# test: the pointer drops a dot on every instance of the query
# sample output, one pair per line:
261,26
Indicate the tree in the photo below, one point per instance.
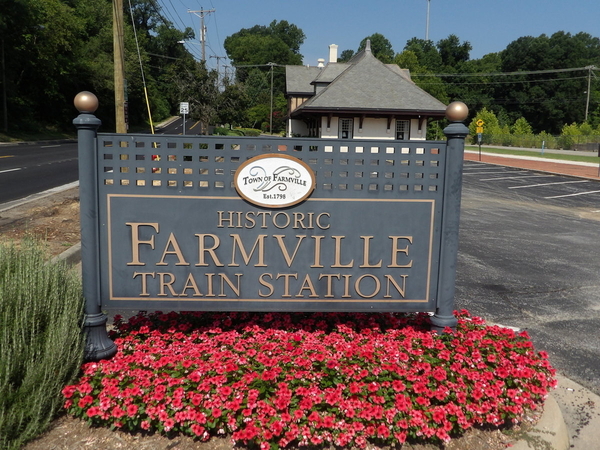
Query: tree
381,47
550,99
428,55
345,56
452,53
278,43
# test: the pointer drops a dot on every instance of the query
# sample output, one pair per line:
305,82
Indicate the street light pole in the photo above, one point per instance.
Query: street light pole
427,25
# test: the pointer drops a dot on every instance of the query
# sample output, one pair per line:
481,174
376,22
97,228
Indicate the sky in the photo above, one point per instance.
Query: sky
488,25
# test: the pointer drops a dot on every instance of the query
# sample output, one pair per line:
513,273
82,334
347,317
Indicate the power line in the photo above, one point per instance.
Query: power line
505,74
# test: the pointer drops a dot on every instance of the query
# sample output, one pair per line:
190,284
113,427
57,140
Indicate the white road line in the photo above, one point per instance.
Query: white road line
49,146
10,170
548,184
520,177
572,195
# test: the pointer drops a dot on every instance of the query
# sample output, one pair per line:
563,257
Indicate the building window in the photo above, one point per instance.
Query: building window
346,128
402,130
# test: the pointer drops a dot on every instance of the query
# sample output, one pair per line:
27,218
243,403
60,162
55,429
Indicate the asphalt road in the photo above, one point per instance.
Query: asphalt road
29,169
529,258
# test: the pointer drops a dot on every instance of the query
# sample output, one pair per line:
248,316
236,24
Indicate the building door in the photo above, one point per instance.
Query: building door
402,130
346,128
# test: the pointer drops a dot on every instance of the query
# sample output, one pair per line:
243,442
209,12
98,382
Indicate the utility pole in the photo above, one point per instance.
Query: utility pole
218,58
119,63
589,87
202,13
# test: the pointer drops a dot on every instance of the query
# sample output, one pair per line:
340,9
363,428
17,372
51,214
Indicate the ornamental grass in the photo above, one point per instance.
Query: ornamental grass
279,380
41,346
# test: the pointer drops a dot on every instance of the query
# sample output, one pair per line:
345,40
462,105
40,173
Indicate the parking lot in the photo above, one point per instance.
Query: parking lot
528,258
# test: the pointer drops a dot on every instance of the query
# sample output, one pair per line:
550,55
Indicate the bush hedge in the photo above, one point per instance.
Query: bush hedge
41,344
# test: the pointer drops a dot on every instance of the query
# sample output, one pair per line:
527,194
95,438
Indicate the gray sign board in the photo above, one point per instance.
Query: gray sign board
175,234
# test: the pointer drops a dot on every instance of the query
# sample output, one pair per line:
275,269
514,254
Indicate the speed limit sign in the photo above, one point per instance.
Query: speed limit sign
184,108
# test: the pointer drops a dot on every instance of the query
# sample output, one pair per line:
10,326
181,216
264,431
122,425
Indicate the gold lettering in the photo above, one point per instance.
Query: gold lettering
338,253
329,277
250,222
225,279
307,284
190,283
289,260
211,251
166,284
263,282
209,283
299,220
286,282
136,242
323,227
172,241
346,286
144,281
396,250
222,220
264,215
260,243
366,249
317,262
239,219
401,290
287,222
377,285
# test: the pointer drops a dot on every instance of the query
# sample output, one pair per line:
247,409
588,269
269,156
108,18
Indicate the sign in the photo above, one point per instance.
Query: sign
479,130
479,123
226,254
184,108
275,181
258,224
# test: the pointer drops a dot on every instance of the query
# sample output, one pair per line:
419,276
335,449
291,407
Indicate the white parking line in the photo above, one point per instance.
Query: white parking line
548,184
521,177
488,173
572,195
10,170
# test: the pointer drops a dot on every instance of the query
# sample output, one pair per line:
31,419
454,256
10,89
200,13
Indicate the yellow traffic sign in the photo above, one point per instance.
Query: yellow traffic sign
479,123
479,129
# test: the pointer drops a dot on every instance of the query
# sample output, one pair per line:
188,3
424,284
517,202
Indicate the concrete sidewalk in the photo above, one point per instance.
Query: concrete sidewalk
555,166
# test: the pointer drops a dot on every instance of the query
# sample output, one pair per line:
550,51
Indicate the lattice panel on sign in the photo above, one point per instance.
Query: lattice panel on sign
203,164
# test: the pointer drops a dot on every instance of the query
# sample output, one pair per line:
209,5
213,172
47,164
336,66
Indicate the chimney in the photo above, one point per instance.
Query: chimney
333,53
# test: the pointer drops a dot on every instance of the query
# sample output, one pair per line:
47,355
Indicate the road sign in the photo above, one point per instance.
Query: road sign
184,108
479,123
479,130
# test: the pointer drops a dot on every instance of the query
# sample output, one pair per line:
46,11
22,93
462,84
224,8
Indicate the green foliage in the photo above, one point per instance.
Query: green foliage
381,47
41,344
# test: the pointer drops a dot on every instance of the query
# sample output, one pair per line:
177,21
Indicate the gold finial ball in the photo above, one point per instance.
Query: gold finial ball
86,102
457,112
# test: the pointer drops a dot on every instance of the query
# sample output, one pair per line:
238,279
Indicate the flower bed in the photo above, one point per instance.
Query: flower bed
310,379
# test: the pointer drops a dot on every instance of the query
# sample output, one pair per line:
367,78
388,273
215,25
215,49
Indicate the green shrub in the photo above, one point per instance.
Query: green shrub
41,344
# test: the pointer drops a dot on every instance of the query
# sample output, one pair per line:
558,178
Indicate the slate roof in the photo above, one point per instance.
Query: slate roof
363,85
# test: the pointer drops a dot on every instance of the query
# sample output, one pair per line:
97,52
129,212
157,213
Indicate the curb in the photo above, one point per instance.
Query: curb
550,432
71,256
